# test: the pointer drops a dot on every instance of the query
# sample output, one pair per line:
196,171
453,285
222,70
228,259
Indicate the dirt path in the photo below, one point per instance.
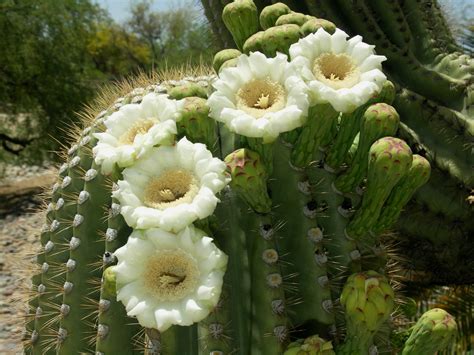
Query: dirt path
19,226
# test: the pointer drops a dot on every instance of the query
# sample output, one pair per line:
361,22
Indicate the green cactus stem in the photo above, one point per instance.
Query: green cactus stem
241,19
434,331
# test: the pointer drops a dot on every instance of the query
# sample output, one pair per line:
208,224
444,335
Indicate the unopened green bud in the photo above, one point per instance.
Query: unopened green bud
292,18
223,56
254,43
379,120
417,175
314,24
434,331
195,122
389,160
241,19
249,179
368,300
270,14
187,90
109,287
272,40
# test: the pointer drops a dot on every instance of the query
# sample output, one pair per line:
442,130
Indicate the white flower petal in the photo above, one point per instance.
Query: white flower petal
136,190
134,129
259,122
344,95
160,308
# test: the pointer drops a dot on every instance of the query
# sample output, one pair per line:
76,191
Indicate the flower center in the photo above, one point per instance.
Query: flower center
171,188
336,70
139,127
260,96
171,275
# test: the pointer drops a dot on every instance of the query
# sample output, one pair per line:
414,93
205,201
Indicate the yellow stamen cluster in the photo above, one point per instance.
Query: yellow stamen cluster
336,70
139,127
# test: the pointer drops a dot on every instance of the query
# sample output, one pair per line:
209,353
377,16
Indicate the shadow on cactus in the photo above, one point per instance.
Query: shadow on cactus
263,240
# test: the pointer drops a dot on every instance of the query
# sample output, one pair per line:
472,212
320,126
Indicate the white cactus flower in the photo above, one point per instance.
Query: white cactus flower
165,279
134,129
171,187
344,73
260,97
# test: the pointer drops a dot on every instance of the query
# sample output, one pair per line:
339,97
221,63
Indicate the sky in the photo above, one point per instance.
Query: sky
118,9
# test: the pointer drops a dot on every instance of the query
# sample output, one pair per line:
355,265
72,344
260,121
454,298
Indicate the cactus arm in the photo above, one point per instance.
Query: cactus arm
448,135
418,78
318,132
290,204
394,23
379,120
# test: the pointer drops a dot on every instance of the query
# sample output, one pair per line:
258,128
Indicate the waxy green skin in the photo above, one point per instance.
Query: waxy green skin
291,238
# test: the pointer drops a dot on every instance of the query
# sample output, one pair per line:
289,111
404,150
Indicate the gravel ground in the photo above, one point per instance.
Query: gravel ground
18,241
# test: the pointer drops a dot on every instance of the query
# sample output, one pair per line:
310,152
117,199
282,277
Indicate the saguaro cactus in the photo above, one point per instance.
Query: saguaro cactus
434,97
140,256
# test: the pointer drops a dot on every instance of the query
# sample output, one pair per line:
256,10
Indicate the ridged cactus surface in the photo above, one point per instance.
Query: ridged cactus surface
233,214
434,97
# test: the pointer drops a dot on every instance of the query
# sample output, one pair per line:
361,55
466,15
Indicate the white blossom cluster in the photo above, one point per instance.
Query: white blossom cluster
169,272
262,97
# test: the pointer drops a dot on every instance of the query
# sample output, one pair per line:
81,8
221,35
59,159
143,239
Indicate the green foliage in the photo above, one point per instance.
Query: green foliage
55,54
44,70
